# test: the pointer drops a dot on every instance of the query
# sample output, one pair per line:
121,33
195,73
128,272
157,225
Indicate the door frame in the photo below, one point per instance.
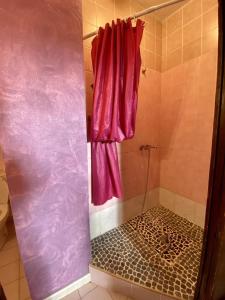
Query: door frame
211,278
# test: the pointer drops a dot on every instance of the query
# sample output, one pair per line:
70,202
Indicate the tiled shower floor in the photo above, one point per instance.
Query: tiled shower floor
158,250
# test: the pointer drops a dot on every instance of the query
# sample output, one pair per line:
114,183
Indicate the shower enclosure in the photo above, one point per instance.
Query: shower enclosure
153,236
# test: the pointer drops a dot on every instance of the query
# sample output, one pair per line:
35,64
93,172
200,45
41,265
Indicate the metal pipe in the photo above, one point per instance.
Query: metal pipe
139,14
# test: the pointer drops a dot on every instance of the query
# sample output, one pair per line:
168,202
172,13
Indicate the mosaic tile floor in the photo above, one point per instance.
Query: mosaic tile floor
158,250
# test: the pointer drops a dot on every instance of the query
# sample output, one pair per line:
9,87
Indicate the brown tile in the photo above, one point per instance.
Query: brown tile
174,22
9,273
174,41
208,4
210,40
8,256
174,59
192,31
12,290
192,50
24,289
210,20
191,11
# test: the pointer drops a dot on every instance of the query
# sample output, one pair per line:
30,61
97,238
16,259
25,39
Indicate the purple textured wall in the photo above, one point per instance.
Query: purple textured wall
43,136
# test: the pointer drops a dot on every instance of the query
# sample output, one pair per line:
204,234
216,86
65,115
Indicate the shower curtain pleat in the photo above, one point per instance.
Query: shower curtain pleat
116,64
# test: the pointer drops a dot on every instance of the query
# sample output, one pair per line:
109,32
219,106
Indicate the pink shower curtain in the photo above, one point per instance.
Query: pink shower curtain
116,63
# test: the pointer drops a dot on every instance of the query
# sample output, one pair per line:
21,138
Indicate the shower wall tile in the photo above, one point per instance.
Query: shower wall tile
197,24
174,22
208,4
192,31
182,206
192,10
187,111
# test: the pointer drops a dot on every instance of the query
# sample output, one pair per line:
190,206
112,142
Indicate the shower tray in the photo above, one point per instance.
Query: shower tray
158,250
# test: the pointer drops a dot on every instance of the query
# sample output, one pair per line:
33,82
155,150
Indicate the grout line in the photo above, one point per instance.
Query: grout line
87,292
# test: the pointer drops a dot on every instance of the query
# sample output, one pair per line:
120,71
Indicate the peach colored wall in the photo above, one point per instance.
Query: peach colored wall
133,163
176,96
188,98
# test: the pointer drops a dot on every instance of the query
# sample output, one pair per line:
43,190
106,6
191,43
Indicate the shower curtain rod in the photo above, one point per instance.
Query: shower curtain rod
139,14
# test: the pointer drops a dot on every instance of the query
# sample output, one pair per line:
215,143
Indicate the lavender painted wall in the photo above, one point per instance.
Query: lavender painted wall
43,136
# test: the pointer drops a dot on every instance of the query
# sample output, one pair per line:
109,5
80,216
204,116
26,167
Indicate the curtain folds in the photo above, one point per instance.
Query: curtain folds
116,64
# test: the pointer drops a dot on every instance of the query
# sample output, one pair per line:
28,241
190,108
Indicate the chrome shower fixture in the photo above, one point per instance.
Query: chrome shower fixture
148,147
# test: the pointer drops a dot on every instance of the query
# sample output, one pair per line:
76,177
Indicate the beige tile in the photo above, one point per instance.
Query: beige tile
164,64
24,289
110,282
116,296
164,46
109,4
150,42
103,16
144,294
192,50
158,44
174,22
210,20
174,59
12,290
87,59
164,23
87,288
192,31
210,40
136,7
150,60
8,256
208,4
98,293
191,11
174,41
88,28
73,296
158,28
122,8
89,12
150,24
158,63
9,273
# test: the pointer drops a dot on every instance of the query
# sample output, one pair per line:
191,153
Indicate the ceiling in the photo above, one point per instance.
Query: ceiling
163,12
